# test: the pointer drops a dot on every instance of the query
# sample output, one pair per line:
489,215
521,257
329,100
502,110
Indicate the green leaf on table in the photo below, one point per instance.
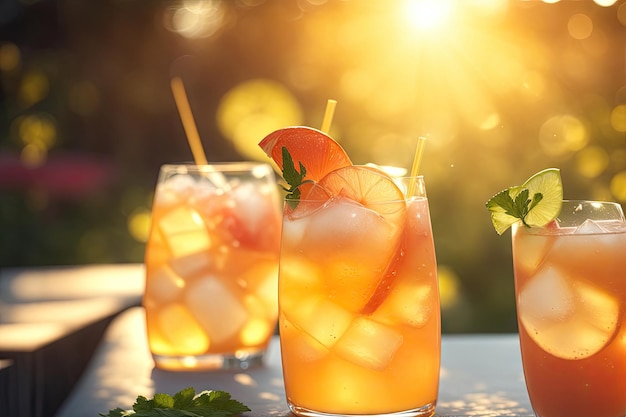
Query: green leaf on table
185,403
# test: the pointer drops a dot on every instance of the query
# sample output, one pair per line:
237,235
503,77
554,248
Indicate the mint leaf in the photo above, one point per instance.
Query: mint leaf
185,403
536,199
521,204
503,200
518,207
293,177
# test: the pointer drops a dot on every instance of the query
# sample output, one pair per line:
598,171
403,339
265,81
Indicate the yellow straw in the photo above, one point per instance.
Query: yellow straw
417,161
189,124
328,115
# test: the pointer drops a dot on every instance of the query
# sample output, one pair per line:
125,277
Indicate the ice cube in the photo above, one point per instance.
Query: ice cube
591,245
184,231
346,224
299,280
184,244
163,285
530,250
182,331
600,308
293,232
580,320
301,344
369,344
174,190
251,207
192,264
216,308
409,302
182,219
260,324
589,227
322,319
255,332
354,245
547,296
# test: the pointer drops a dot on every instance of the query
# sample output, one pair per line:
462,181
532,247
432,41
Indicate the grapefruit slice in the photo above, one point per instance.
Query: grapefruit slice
312,148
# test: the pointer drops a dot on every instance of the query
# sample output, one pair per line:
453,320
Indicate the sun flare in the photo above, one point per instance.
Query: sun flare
427,15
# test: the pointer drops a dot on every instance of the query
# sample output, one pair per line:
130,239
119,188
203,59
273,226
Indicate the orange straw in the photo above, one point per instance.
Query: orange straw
417,161
189,124
328,115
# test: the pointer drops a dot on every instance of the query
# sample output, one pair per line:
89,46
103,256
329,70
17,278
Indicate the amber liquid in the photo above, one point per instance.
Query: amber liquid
574,345
359,312
211,274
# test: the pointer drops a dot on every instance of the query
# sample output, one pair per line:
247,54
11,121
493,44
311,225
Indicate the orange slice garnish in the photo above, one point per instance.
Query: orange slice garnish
370,187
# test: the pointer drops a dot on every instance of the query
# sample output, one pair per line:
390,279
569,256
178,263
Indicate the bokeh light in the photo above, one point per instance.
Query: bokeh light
449,287
9,57
618,118
563,134
592,161
34,88
251,110
195,19
37,134
580,26
618,186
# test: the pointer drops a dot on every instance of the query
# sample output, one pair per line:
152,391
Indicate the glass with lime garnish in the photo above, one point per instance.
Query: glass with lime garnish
570,287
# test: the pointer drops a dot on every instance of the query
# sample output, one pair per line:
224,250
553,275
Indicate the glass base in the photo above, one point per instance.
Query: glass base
237,361
426,411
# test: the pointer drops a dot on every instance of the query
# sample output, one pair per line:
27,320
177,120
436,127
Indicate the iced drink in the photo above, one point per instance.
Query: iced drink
359,307
212,266
570,280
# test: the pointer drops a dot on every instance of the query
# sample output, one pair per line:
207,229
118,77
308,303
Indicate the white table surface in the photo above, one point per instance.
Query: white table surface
481,375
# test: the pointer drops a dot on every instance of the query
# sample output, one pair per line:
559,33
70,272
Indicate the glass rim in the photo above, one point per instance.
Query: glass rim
232,166
403,179
571,215
592,202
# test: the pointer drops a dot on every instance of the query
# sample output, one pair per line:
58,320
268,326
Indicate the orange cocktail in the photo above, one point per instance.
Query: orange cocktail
570,280
358,294
359,309
212,265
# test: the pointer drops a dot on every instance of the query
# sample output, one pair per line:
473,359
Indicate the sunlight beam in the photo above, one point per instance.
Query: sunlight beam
427,15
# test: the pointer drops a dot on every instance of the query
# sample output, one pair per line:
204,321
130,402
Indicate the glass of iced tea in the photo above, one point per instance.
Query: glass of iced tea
570,284
212,265
359,302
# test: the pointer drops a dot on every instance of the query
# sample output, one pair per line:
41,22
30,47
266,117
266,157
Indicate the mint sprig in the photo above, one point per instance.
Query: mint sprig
518,207
293,178
185,403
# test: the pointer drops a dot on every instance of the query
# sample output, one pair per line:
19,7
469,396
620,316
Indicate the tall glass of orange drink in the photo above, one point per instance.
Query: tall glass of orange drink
212,266
359,313
570,284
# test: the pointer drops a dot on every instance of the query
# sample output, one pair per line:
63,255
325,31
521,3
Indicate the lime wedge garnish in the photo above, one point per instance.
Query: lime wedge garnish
535,203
